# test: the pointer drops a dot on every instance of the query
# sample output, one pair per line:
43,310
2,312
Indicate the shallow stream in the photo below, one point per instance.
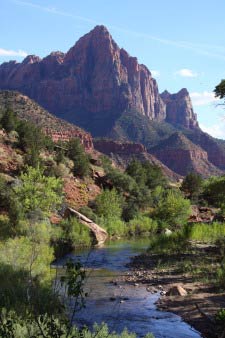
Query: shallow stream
123,305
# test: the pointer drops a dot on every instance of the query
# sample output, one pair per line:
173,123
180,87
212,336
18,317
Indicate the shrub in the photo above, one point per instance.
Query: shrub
173,209
142,225
114,226
75,233
192,186
80,159
109,204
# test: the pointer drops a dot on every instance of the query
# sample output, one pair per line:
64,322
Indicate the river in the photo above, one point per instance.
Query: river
118,304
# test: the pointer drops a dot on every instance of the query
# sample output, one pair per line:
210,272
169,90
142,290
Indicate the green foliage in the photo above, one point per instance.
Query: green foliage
80,159
8,121
173,209
121,181
220,316
213,191
113,225
38,192
136,170
45,326
207,232
88,212
74,233
31,252
142,226
220,90
177,242
146,174
192,186
109,204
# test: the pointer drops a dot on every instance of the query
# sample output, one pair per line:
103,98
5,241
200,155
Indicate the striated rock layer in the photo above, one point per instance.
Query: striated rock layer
183,156
57,129
123,152
94,81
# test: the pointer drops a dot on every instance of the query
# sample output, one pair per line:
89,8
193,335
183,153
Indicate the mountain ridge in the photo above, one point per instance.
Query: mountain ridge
102,89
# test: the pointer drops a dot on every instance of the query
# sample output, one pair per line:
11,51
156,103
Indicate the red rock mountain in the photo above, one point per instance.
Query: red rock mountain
122,153
183,156
179,110
95,80
101,88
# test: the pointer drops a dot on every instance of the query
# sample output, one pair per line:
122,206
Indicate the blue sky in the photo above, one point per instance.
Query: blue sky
182,43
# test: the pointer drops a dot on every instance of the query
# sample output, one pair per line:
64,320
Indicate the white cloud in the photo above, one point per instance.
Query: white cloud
9,52
185,72
155,73
216,130
203,98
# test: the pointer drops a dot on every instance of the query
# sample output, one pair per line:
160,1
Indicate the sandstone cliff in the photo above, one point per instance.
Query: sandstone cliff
94,81
123,152
183,156
179,110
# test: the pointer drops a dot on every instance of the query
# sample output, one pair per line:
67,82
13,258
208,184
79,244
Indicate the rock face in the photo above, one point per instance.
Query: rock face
179,110
182,156
95,78
108,146
123,152
29,110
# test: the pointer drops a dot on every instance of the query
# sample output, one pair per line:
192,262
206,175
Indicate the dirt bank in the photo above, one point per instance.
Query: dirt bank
203,299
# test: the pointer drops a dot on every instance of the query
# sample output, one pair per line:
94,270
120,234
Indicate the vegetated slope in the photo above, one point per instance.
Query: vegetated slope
29,110
183,156
123,152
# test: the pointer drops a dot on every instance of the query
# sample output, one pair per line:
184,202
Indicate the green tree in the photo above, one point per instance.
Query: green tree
38,192
109,204
8,120
154,176
192,186
173,209
80,159
220,90
213,191
136,170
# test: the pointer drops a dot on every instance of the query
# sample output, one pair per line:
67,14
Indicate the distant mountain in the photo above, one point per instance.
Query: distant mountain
91,85
101,88
182,156
123,152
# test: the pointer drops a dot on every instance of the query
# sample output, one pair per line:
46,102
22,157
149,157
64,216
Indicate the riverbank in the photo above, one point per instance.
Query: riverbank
163,273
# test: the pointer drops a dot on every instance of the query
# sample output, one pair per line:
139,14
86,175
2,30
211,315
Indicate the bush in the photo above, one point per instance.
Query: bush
192,186
75,233
109,204
173,209
80,159
114,226
213,191
8,121
142,226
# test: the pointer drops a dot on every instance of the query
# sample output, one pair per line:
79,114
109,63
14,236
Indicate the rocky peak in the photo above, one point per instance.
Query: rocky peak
179,109
30,59
96,81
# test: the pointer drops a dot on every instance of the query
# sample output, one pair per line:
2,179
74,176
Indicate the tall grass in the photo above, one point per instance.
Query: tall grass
207,232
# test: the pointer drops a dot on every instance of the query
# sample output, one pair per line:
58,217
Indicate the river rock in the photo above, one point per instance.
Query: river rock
176,290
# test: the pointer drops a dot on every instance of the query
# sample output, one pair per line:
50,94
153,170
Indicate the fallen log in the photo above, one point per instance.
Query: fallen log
99,233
